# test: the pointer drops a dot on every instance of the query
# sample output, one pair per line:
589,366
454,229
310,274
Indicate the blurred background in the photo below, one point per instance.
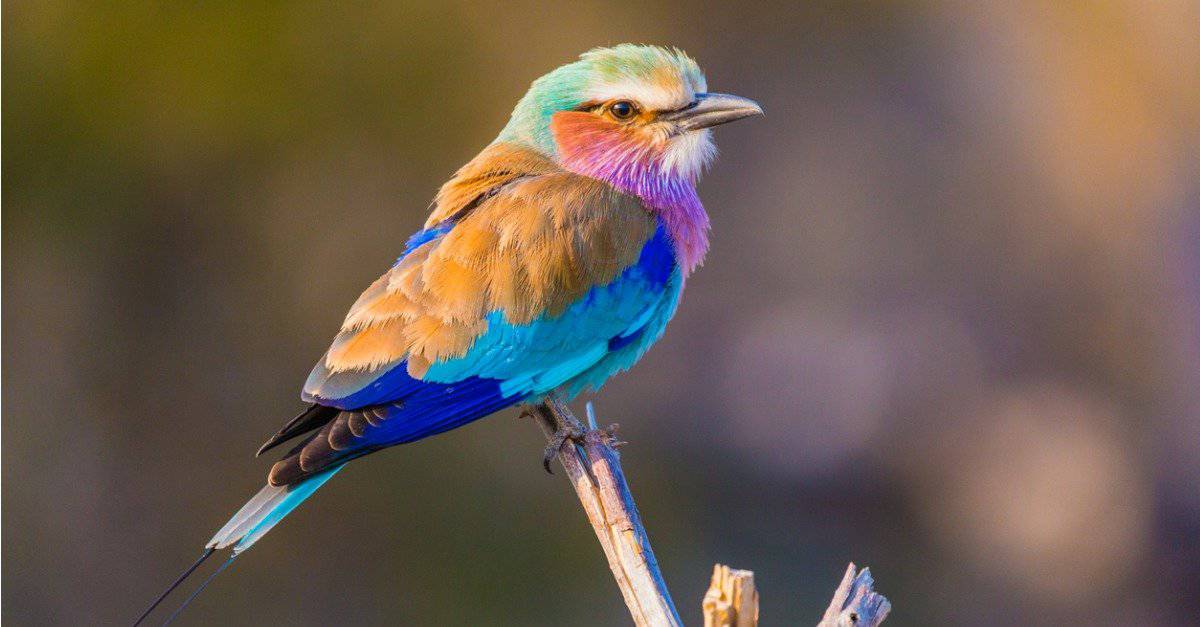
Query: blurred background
949,327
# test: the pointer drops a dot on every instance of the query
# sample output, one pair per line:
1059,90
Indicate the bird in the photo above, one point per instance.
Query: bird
549,262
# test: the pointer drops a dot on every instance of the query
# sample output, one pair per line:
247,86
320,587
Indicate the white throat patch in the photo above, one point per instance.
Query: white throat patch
687,155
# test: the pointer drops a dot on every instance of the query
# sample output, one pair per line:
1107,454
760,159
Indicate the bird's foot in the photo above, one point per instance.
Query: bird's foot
567,427
610,436
557,441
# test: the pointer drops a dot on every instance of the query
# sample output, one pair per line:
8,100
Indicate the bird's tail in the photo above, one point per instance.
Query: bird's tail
246,527
264,511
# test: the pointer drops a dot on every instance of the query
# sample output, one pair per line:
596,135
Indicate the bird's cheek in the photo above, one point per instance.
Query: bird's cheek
585,140
574,131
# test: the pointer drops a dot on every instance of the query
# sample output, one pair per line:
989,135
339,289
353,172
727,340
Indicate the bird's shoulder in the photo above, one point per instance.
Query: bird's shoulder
506,178
513,236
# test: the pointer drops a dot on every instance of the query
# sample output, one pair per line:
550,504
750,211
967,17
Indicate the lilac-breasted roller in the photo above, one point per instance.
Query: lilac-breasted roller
550,261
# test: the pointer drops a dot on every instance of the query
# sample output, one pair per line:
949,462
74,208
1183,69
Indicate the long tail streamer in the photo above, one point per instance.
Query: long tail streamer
187,573
196,593
258,516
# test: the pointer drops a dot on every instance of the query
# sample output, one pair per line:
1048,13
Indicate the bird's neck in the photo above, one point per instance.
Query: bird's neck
640,169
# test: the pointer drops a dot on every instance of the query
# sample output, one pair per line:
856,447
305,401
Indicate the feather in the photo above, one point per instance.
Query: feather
178,580
529,250
264,510
313,417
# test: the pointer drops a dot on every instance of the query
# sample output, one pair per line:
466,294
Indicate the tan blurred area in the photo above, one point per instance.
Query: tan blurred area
949,327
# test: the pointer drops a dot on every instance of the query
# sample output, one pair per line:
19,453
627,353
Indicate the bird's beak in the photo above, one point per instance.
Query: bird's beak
710,110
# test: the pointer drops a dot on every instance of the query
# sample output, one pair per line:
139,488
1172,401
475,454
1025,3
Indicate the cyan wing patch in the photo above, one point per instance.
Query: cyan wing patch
624,350
604,332
535,358
531,358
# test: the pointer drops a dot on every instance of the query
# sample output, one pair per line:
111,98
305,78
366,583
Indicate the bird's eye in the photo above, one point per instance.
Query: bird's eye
623,109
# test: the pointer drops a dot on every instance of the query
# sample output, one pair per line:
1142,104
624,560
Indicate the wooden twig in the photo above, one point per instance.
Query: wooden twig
855,602
591,462
731,600
594,468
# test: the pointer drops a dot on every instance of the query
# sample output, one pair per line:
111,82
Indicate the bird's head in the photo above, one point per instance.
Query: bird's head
634,116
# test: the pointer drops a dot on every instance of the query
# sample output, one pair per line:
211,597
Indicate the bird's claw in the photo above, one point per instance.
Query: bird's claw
561,436
610,436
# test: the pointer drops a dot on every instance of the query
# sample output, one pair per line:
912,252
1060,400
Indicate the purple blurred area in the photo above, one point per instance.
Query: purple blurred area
949,327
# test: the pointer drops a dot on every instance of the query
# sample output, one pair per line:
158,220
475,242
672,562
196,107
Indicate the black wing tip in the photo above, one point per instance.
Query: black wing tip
275,440
313,417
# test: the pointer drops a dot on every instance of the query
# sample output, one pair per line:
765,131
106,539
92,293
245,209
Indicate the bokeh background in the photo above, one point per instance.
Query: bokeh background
949,327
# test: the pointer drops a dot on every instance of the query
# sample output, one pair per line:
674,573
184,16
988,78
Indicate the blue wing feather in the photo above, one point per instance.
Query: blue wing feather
534,358
604,332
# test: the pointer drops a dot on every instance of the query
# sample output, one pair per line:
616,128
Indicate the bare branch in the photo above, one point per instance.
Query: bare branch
590,460
594,468
731,600
855,602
